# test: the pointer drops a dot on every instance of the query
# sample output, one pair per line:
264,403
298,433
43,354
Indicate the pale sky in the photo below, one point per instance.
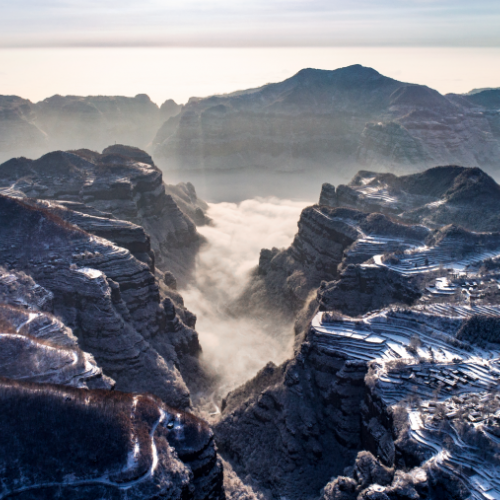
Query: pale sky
250,23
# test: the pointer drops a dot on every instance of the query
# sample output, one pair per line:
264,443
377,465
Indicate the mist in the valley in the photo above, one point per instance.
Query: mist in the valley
236,348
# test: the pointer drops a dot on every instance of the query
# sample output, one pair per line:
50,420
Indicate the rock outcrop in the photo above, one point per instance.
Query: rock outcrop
361,289
395,369
109,299
83,306
328,239
109,444
288,430
122,183
38,347
377,214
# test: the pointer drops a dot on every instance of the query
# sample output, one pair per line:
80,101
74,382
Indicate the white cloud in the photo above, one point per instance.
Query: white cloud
236,348
224,22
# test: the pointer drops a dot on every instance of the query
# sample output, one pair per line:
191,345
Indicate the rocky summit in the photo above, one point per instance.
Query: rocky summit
319,119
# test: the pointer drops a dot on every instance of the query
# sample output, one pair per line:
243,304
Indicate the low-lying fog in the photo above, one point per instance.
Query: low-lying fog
247,183
235,349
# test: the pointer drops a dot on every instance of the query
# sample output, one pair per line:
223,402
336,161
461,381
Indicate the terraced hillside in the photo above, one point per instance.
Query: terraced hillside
397,364
86,314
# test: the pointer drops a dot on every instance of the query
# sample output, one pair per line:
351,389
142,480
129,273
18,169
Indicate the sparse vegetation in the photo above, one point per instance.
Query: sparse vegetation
480,329
49,428
331,317
400,419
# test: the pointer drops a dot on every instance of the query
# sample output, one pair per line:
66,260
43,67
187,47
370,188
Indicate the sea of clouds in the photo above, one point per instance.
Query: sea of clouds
236,348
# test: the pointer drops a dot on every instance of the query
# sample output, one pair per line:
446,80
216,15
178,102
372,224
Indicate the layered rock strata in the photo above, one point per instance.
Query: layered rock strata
37,347
109,299
124,184
435,197
328,239
396,361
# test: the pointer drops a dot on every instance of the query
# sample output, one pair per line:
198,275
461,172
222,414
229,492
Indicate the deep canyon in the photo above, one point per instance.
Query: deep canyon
203,340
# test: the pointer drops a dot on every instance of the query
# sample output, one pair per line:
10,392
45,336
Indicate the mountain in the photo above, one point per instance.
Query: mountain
331,120
122,182
392,390
374,213
18,131
76,122
84,315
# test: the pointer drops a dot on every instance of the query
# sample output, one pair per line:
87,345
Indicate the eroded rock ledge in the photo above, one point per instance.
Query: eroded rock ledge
393,386
122,183
83,306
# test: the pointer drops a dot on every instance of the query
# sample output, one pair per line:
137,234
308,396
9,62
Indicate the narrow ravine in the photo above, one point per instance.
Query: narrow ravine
235,348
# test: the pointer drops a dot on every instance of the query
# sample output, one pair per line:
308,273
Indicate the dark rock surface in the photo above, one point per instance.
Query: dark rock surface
184,195
109,299
362,289
286,430
396,354
82,305
108,445
122,183
376,214
328,195
328,239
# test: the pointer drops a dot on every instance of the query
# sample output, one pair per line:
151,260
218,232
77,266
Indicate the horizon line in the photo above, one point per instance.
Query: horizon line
153,45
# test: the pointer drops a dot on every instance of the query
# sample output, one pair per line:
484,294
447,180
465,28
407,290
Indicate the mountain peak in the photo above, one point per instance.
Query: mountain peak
355,71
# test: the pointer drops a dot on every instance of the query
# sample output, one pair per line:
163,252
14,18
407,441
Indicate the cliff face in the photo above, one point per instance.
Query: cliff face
290,429
108,297
121,183
362,289
82,312
328,239
392,386
36,346
349,116
74,122
94,122
376,214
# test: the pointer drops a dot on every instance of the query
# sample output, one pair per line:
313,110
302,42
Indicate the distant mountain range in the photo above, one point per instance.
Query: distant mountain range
315,120
73,122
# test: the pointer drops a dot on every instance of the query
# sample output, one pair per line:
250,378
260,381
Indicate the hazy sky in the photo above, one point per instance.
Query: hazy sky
35,23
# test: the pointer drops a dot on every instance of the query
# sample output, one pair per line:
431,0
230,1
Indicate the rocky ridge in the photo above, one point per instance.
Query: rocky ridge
82,305
122,183
396,360
70,122
349,116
